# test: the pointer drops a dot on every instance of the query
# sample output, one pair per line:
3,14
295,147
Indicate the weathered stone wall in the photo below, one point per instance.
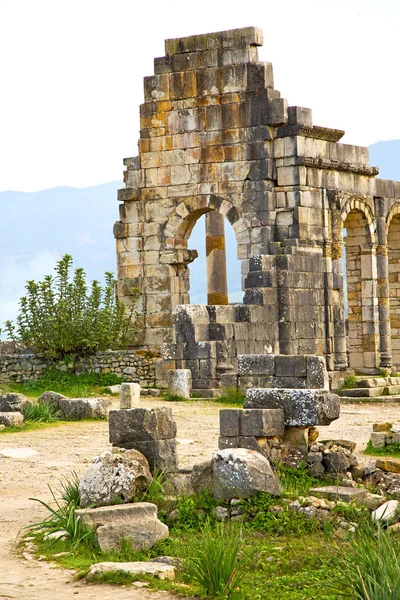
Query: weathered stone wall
217,136
131,366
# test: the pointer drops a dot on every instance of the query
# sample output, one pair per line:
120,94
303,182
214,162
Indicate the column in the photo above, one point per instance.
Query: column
385,340
217,282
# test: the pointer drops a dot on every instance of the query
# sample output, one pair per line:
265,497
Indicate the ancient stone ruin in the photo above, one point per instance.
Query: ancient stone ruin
218,139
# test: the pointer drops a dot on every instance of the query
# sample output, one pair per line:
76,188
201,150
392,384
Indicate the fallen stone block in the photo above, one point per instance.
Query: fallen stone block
113,389
240,473
302,408
51,398
11,419
129,395
250,442
392,466
135,522
154,569
180,382
379,427
386,513
340,492
114,477
337,462
202,477
13,402
75,409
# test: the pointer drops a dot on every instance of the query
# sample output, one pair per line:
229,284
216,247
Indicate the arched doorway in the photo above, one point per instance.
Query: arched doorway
362,303
393,243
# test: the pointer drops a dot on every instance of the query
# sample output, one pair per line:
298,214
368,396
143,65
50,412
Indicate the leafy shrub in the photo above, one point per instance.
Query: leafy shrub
212,559
60,316
370,568
41,412
194,510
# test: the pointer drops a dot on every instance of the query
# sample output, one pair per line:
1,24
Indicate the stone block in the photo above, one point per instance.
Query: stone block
289,366
11,419
302,408
296,437
180,382
378,439
261,422
229,420
256,364
141,425
13,402
338,492
75,409
317,375
379,427
135,522
139,568
161,454
129,395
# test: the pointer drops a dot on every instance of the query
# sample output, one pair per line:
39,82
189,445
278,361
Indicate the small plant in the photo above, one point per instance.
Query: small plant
349,383
63,518
174,398
234,396
385,391
43,412
212,559
384,372
370,568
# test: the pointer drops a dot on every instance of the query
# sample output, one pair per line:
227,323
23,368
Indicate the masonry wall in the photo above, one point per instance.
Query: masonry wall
133,367
217,136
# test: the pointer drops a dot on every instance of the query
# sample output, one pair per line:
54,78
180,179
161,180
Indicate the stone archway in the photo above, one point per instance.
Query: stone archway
360,267
177,233
393,247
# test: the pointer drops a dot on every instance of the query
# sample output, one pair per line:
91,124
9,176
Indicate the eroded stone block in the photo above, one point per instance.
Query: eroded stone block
180,382
129,395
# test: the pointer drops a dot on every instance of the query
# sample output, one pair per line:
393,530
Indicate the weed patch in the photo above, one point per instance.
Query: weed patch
389,450
232,396
72,385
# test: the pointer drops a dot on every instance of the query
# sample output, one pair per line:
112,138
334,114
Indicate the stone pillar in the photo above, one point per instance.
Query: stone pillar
385,340
370,326
217,282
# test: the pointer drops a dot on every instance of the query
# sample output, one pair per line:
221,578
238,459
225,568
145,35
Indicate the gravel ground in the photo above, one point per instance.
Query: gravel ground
55,452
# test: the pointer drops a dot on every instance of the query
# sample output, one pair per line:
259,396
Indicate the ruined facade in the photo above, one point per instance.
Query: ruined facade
217,137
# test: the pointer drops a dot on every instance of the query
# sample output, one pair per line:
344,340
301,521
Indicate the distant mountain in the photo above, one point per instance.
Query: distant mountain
36,229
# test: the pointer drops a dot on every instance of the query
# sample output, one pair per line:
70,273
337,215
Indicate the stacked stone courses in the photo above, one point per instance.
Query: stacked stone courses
217,137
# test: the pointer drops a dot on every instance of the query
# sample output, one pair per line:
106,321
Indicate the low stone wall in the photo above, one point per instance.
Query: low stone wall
138,367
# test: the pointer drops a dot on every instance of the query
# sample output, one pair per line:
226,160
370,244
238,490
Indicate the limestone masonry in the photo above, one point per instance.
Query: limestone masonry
216,137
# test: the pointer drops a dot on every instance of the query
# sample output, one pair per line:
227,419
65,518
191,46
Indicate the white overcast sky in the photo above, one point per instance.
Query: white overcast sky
71,74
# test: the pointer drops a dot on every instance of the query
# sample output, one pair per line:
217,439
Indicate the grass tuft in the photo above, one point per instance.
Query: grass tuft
370,568
389,450
232,396
212,559
41,412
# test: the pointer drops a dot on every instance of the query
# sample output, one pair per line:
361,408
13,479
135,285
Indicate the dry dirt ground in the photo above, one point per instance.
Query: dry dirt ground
60,450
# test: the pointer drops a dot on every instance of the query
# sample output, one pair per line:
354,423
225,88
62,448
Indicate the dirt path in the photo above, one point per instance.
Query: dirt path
60,450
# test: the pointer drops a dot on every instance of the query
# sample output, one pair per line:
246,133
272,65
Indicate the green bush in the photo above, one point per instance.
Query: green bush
349,383
212,559
370,568
61,316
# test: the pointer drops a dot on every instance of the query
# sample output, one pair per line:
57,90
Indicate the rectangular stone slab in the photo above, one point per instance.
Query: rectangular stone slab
302,408
141,424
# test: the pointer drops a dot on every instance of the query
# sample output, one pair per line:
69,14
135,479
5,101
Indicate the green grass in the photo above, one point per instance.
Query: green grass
389,450
175,398
232,396
32,426
370,568
71,385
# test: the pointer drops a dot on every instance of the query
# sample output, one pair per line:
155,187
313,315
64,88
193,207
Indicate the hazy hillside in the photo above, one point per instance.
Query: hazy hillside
36,229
